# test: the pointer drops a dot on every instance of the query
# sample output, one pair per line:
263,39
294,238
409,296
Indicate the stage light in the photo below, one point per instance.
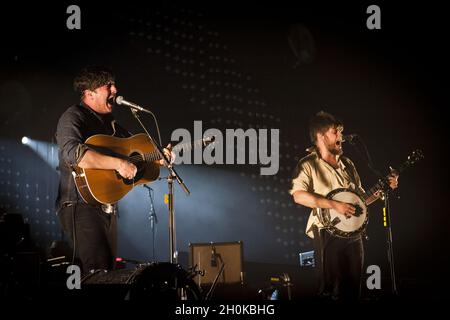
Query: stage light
45,150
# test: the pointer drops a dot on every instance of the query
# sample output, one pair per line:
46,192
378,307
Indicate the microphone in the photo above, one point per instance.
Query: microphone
119,100
152,221
213,257
349,137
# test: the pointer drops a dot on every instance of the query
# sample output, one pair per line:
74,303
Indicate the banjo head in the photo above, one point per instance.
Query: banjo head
337,224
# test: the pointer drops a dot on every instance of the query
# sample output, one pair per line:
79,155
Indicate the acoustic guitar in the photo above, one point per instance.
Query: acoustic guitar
101,186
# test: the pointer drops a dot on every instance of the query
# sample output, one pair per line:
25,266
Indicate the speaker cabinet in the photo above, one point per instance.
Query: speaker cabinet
210,257
155,281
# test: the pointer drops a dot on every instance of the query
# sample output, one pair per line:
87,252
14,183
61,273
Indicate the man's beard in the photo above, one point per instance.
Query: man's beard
334,149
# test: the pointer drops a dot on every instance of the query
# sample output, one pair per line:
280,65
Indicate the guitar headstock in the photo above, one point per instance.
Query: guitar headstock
208,140
412,159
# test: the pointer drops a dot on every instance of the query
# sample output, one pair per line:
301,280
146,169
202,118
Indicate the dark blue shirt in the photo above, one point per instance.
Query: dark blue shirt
75,126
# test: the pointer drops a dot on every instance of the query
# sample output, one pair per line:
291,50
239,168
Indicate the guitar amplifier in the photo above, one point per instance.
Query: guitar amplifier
211,257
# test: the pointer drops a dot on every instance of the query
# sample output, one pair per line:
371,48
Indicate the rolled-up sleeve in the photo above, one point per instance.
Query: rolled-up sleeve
70,139
303,179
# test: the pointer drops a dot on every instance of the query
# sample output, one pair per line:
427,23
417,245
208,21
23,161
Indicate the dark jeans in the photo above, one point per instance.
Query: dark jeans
94,235
339,262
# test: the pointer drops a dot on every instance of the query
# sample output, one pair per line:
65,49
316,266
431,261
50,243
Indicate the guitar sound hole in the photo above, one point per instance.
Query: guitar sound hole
138,161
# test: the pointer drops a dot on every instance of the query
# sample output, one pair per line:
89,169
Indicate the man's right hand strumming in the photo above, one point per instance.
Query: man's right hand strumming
126,169
312,200
343,208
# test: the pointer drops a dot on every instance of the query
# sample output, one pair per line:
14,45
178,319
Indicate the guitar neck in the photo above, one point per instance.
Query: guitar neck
370,196
187,146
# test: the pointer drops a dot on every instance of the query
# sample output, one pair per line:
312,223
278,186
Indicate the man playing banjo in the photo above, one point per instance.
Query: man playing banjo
338,256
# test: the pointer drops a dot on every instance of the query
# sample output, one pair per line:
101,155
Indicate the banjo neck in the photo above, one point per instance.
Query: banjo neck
353,226
383,184
373,193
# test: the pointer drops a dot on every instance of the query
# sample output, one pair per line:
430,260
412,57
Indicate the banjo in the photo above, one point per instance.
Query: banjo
347,227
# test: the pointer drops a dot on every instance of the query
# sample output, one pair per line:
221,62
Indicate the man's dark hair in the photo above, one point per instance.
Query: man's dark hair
321,122
92,77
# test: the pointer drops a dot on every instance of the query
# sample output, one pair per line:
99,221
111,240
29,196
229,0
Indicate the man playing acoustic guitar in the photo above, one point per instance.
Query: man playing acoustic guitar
339,259
92,228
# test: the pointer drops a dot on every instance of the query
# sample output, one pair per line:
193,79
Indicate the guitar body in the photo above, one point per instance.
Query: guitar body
336,223
98,186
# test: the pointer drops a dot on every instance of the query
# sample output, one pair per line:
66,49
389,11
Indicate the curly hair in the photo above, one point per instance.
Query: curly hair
321,122
92,77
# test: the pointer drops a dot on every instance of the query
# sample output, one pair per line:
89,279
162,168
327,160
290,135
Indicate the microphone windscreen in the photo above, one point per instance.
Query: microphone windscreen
118,100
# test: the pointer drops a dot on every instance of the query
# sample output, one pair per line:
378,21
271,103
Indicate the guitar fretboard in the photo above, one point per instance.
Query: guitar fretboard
187,146
370,194
382,183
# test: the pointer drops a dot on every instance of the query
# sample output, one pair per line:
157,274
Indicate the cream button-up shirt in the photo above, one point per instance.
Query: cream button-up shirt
315,175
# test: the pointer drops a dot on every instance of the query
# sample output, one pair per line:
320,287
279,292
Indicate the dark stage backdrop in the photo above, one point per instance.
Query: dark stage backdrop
236,67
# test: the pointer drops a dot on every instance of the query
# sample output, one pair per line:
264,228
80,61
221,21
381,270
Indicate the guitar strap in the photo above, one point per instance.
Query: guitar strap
349,170
119,131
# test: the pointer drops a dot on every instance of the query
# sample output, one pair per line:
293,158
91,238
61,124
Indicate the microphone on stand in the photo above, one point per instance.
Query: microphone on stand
349,138
153,218
119,100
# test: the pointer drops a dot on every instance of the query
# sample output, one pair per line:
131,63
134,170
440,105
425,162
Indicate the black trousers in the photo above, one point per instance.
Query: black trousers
93,234
339,262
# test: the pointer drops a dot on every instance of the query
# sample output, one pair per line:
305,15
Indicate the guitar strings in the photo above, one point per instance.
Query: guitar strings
153,156
146,157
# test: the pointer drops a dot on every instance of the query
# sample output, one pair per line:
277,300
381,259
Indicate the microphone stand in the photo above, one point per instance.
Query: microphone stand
390,248
152,217
172,175
386,214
